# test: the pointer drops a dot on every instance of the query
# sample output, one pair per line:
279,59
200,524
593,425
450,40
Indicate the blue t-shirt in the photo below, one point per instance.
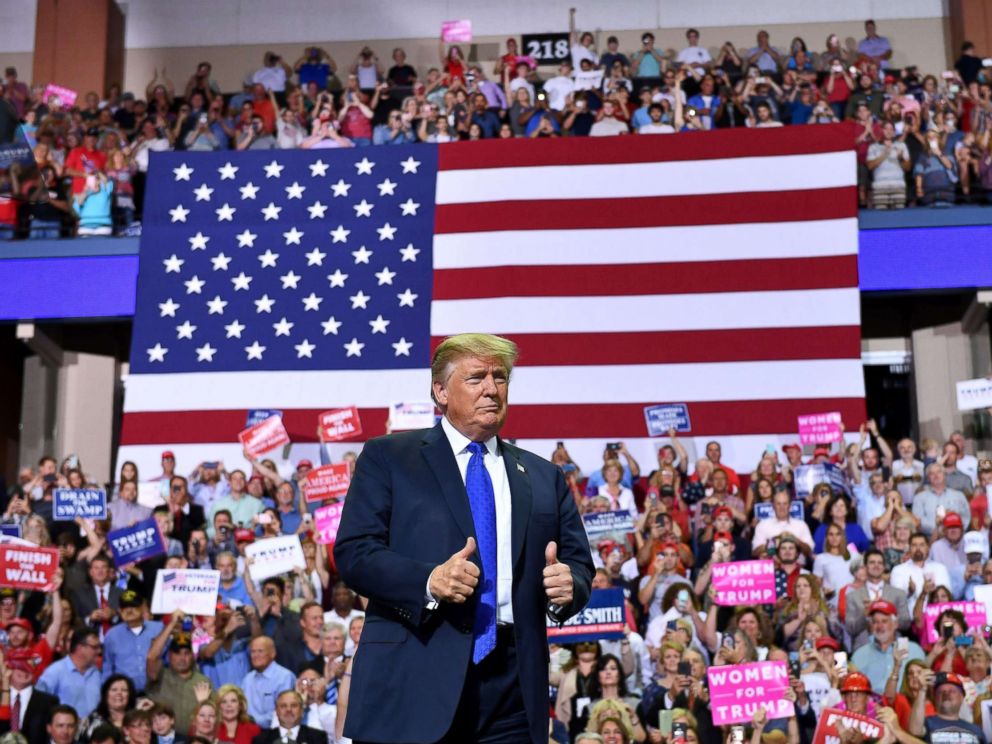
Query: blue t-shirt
311,73
648,67
941,731
800,112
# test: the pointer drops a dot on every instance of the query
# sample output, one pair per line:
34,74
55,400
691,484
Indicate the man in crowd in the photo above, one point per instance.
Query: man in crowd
177,683
126,646
918,574
874,589
75,679
880,658
781,521
938,499
289,707
266,680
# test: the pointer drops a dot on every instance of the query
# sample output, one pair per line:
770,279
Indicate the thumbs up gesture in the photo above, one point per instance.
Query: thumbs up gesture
557,577
455,579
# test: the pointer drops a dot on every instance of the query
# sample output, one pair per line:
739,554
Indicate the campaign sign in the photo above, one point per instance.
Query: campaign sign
275,555
601,620
192,590
818,689
612,525
974,394
259,415
24,567
974,614
807,477
663,418
407,416
764,510
738,690
10,530
136,543
826,729
264,436
548,49
454,32
744,583
983,594
339,424
66,96
16,152
327,482
326,521
88,503
817,428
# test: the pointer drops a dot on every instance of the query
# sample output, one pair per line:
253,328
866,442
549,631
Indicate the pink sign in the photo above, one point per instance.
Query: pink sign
456,31
738,690
974,614
67,96
744,583
341,423
327,482
326,519
264,436
820,428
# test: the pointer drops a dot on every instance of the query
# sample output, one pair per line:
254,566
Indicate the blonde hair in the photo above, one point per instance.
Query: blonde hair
242,701
480,345
611,710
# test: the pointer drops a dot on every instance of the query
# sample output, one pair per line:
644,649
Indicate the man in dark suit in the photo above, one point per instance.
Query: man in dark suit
30,708
464,544
98,600
186,516
289,712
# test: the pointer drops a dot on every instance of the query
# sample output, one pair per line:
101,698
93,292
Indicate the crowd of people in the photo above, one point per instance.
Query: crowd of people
921,139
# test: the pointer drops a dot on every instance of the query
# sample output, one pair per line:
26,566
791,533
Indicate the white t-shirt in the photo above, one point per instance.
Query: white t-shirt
624,501
580,53
902,573
608,127
588,79
834,571
694,55
273,78
658,128
558,89
518,83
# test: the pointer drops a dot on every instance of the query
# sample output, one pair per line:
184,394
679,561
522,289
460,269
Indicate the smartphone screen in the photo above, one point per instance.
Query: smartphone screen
840,661
665,722
685,668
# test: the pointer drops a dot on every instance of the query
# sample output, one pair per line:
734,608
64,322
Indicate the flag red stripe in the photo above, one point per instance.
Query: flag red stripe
648,211
750,275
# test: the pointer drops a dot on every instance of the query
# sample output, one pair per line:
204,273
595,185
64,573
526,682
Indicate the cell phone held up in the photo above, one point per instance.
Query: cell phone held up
685,668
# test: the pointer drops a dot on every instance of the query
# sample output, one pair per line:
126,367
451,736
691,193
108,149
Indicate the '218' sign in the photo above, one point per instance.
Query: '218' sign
546,48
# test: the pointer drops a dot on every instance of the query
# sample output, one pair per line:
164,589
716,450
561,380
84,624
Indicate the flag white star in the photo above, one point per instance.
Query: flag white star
364,167
410,165
183,172
318,169
255,351
340,235
203,192
216,306
194,285
225,213
409,207
248,191
227,171
168,308
360,300
312,302
172,264
295,191
340,188
246,239
293,236
385,276
337,278
362,255
409,253
271,211
305,349
363,209
264,304
179,213
402,347
290,280
199,242
315,257
379,324
268,259
386,232
331,326
205,353
157,353
234,329
274,169
241,281
283,327
185,330
387,187
407,298
354,347
220,262
317,210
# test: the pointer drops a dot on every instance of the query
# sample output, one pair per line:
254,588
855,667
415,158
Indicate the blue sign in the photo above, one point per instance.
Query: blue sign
764,510
136,543
600,620
11,530
17,152
661,419
259,415
808,477
88,503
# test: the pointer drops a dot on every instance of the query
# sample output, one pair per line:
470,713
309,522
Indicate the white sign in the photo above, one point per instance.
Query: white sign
407,416
192,590
150,494
983,594
974,394
272,556
817,689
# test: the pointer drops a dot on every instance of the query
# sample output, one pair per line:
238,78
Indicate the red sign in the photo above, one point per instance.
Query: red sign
327,482
264,436
23,567
869,728
340,424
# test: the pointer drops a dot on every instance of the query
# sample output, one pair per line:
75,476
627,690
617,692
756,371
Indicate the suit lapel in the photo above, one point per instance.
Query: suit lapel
440,458
521,497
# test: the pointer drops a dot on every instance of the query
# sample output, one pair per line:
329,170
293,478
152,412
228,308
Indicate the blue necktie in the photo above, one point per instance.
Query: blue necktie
482,500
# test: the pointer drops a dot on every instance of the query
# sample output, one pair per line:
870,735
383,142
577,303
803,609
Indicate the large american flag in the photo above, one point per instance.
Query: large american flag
714,269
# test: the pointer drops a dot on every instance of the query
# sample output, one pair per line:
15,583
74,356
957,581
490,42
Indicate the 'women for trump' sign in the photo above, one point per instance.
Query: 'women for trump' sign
738,690
744,583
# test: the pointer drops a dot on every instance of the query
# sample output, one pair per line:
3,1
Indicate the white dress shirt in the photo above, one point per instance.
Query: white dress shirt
289,734
24,697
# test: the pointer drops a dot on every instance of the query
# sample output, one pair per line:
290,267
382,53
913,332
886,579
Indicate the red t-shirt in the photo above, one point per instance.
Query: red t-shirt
263,107
356,124
79,158
243,734
41,656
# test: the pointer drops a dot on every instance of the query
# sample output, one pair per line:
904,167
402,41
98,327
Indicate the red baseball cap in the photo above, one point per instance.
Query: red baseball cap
948,678
724,536
168,455
724,511
256,476
669,545
882,605
21,659
821,452
792,446
20,622
304,464
243,534
827,642
952,520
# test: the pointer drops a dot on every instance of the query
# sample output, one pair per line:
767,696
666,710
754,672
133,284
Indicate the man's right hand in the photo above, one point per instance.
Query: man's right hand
455,579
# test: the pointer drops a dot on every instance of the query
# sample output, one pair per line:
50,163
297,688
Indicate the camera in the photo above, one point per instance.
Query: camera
947,631
612,446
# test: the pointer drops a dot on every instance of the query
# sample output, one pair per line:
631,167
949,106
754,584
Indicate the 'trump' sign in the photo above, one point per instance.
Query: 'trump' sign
738,690
744,583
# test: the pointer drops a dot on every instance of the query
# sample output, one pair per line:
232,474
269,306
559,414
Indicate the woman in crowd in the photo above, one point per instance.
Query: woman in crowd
612,721
117,697
204,722
832,566
621,498
806,602
577,679
931,594
838,511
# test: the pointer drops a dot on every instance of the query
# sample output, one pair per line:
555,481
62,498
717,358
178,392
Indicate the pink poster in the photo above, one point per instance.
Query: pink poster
744,583
326,520
820,428
264,436
974,613
67,96
737,690
454,32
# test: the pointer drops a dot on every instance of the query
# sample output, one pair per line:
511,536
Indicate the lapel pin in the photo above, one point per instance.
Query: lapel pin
521,468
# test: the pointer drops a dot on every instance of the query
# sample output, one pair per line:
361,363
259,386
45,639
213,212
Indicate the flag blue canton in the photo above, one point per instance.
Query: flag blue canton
286,260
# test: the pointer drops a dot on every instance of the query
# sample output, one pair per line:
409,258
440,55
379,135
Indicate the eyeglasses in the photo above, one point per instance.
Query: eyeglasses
95,646
177,489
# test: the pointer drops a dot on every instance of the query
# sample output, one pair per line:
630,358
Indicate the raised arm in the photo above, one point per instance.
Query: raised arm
153,661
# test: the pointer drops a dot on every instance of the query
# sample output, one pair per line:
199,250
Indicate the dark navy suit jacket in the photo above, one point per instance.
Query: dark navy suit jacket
407,512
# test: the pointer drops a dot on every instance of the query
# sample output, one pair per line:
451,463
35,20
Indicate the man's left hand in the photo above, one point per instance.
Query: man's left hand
557,578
